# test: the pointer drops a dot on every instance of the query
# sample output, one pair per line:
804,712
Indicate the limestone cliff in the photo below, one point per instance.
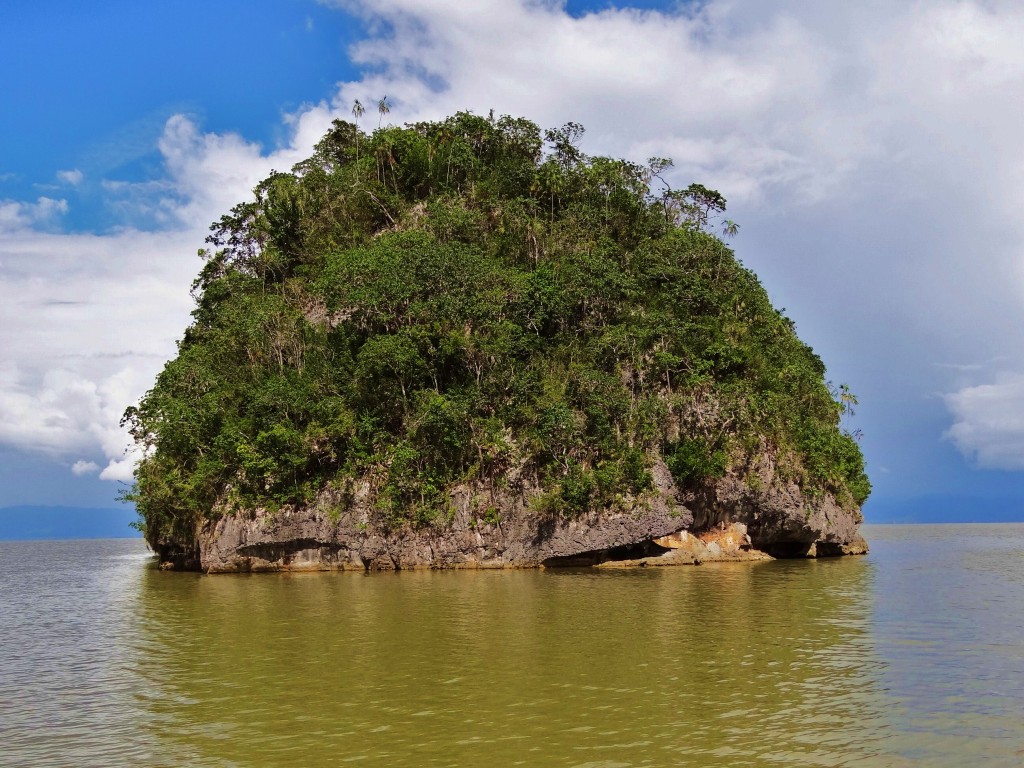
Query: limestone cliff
725,521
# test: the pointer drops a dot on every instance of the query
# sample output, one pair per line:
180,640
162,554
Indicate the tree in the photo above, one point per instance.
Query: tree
564,140
699,203
847,400
357,112
656,166
383,107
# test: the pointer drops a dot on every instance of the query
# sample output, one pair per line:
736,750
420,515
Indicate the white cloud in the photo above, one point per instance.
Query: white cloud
73,177
83,467
714,89
16,215
87,320
989,422
121,470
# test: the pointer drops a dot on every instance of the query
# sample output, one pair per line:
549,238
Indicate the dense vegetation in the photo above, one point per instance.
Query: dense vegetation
446,302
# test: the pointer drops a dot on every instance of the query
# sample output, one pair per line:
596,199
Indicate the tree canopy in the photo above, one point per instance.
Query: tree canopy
435,304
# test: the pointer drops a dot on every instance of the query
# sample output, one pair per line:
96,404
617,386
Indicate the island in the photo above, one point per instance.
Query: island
467,344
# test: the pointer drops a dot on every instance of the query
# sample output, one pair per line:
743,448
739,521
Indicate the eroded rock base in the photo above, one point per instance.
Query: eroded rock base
725,543
730,522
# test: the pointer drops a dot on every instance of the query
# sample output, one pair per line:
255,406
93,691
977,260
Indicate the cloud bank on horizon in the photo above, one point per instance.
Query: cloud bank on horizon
868,149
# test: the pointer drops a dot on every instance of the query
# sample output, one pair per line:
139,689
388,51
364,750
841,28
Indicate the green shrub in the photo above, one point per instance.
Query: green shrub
692,460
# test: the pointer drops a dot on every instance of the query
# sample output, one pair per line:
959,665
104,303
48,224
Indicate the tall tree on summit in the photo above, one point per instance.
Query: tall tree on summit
357,112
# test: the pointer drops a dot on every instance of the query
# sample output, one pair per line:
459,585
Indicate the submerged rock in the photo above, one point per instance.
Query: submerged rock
724,543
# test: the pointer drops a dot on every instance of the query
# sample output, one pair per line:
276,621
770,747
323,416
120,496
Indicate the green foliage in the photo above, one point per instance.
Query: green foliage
436,304
692,460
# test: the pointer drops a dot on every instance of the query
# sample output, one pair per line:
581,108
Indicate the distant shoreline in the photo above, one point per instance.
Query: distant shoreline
135,535
60,523
73,538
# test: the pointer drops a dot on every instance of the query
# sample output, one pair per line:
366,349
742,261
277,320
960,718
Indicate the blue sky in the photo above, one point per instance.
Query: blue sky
869,152
89,86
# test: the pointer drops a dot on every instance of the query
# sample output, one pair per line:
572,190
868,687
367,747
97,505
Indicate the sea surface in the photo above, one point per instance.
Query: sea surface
911,656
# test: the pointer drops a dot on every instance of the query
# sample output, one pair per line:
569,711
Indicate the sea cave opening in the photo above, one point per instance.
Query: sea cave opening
633,551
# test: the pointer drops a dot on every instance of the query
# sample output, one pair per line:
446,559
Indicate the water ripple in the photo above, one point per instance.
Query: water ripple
911,656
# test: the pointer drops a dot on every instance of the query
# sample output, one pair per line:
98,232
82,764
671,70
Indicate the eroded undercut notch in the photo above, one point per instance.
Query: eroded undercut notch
624,553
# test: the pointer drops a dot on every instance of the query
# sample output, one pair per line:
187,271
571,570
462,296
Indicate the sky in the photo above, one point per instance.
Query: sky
869,151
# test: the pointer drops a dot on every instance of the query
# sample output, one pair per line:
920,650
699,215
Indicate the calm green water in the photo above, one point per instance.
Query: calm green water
913,655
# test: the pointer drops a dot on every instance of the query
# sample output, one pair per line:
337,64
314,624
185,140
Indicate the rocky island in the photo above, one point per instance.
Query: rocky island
466,343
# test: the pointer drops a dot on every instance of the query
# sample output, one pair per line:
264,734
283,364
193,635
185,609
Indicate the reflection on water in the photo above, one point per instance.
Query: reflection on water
555,668
900,658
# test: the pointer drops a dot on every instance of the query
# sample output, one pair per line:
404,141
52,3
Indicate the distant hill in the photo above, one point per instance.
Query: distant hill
945,509
22,523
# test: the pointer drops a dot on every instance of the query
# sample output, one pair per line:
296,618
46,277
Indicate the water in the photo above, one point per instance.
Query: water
912,656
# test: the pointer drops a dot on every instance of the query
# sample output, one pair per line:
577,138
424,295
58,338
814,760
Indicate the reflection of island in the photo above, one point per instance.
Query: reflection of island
766,662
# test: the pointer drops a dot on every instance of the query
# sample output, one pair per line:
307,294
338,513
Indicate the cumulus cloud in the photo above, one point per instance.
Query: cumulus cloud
85,323
73,177
87,320
989,422
83,467
16,215
749,95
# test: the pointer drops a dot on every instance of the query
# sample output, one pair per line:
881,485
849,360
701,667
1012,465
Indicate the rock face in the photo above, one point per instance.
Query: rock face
722,544
780,520
726,521
515,537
